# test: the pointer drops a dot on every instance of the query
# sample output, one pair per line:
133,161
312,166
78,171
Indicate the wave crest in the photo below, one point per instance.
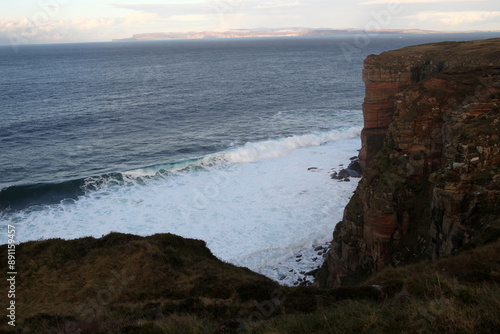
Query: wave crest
23,196
254,151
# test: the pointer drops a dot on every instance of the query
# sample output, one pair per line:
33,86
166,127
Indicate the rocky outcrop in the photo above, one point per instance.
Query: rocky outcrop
431,154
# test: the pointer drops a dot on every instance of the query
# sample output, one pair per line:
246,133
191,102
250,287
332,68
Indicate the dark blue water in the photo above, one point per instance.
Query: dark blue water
79,110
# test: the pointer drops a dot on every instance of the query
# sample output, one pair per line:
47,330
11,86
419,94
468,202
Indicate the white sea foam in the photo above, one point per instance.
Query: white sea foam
252,151
256,214
278,148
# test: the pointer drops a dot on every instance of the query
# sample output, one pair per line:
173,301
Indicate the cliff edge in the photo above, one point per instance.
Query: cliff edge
431,159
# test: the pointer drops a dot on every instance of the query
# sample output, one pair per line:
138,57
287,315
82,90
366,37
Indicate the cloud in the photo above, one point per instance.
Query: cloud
277,5
381,2
456,18
94,24
172,9
138,18
27,30
211,7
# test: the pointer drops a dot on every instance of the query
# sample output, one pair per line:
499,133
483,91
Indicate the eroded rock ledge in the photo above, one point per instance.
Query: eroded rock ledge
431,154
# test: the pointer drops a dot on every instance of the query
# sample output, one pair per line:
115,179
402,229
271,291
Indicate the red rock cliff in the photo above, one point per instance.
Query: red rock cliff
431,154
382,85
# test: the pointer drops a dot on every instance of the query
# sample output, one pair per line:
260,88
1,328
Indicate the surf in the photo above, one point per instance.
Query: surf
20,197
249,211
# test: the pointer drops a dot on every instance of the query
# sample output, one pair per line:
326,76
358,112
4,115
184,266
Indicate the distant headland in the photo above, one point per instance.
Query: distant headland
269,32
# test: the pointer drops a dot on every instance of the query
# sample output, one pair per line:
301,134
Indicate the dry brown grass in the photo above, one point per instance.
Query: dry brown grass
166,284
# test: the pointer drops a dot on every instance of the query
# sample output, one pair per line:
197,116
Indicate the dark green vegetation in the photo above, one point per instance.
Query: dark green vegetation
166,284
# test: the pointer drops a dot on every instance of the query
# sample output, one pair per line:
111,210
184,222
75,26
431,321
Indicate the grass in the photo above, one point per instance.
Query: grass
167,284
127,278
403,313
459,294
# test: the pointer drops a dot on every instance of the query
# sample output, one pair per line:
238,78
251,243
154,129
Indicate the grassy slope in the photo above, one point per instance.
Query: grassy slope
166,284
120,280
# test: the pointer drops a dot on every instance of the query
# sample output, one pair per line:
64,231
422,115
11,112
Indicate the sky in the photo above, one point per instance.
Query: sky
57,21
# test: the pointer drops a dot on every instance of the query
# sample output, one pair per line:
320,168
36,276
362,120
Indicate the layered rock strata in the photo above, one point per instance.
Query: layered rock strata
431,159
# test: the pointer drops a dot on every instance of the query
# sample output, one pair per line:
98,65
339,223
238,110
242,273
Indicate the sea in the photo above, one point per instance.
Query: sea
231,141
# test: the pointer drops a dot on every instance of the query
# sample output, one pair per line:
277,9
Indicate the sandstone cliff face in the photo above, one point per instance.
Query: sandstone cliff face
431,153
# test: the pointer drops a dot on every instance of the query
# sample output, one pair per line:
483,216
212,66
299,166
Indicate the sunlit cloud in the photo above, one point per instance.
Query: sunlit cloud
456,18
138,18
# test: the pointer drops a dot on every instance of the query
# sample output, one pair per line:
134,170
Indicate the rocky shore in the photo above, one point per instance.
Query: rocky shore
301,268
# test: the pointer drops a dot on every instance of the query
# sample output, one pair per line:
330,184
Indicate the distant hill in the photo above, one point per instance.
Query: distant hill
266,32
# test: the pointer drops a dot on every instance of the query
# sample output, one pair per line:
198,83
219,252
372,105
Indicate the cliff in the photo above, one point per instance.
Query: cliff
431,159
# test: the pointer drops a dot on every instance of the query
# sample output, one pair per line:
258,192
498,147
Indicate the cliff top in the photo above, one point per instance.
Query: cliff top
445,55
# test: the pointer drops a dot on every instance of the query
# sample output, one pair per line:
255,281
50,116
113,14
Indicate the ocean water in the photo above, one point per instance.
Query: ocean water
207,139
